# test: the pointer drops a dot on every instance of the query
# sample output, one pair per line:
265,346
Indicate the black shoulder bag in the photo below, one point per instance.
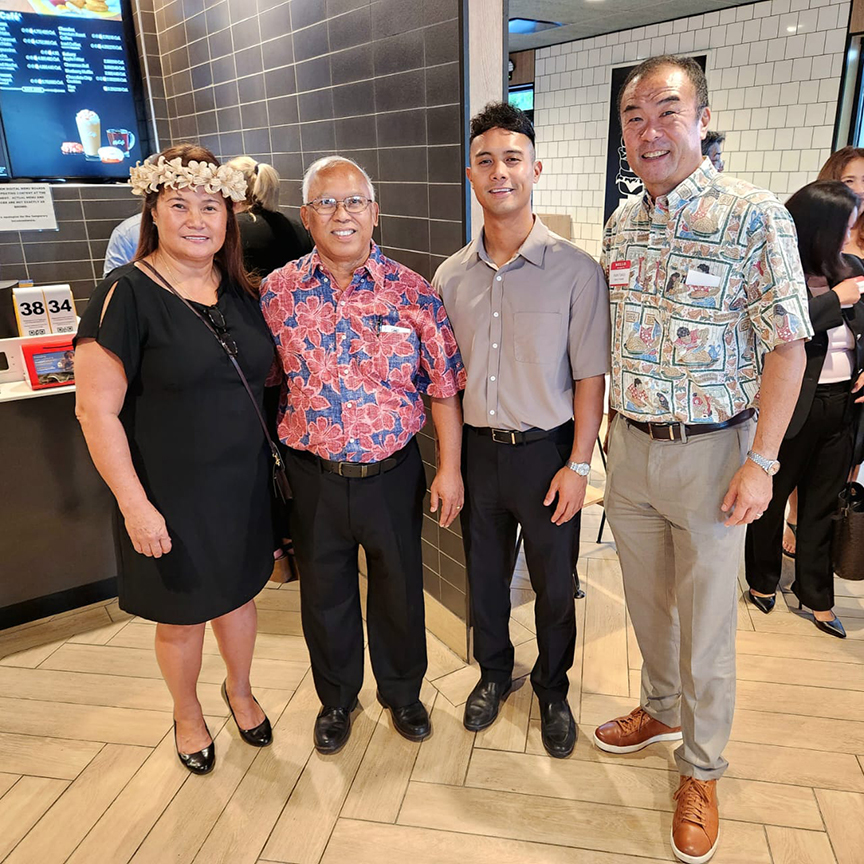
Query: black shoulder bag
281,486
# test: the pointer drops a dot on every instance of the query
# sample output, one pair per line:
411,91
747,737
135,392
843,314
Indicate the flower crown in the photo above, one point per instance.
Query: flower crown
150,176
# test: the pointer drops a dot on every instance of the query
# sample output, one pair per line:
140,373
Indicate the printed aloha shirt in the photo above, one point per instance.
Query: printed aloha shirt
715,282
355,362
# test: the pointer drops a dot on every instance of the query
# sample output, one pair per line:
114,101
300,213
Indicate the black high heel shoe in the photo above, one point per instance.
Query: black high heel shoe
834,627
261,735
763,604
200,762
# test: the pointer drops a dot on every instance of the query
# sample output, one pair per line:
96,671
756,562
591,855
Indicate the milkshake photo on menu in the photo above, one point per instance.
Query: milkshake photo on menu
90,132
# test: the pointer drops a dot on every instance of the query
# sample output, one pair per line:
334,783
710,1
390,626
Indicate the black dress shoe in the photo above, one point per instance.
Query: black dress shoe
333,728
833,627
763,604
557,728
482,705
261,735
200,762
411,722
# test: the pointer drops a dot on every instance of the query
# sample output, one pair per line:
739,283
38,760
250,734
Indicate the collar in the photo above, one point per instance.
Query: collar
374,266
533,248
702,179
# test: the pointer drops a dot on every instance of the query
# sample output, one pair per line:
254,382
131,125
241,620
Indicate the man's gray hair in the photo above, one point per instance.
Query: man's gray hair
326,162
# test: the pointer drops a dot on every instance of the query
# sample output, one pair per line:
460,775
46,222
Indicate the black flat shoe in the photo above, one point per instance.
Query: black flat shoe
557,728
261,735
332,728
201,762
411,722
834,627
763,604
482,705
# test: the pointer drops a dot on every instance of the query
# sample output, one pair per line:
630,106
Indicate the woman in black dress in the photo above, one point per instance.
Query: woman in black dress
175,436
270,239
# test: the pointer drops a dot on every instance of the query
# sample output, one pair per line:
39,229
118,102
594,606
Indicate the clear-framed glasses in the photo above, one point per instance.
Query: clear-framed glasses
328,206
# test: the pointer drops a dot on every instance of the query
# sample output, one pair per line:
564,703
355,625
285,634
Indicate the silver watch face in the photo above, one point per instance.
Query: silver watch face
583,469
773,468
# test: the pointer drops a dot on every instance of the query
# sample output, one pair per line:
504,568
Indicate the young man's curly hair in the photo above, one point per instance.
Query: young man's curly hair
501,115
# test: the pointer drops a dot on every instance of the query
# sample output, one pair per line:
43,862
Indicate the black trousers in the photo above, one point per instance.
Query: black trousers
817,462
331,517
505,487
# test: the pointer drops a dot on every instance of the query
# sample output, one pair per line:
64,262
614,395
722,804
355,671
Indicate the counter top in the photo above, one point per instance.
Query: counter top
15,390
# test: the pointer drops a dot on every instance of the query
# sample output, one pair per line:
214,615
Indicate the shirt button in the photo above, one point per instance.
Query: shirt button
494,344
491,412
497,278
494,314
348,404
491,377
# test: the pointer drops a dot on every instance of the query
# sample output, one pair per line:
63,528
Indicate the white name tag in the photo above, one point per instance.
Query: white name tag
702,280
619,273
392,328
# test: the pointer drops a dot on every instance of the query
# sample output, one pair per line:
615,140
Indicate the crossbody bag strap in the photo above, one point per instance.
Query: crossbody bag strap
277,457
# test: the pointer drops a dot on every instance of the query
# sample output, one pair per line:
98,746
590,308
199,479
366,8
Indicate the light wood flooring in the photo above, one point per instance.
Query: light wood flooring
88,773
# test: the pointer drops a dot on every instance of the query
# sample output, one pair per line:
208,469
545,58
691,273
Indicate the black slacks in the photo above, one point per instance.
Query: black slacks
817,462
505,487
331,517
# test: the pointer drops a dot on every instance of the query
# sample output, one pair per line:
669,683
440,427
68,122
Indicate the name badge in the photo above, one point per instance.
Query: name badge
696,278
392,328
619,273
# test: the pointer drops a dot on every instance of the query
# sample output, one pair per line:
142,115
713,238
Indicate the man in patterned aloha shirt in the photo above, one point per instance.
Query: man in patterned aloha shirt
703,263
360,338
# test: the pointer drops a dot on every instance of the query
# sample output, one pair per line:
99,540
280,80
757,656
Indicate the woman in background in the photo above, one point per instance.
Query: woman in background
817,451
269,238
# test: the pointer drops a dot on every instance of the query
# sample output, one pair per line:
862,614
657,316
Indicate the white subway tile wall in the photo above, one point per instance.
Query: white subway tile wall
774,78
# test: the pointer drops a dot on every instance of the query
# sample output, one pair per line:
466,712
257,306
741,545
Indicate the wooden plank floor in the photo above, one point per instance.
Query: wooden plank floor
88,773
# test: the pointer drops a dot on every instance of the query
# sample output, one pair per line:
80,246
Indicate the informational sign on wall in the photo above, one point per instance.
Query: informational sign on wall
26,207
621,179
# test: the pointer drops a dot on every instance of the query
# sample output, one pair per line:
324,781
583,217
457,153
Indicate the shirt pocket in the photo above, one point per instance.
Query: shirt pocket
537,337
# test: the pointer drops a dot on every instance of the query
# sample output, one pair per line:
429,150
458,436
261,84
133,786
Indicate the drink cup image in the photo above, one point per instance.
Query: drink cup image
122,138
90,132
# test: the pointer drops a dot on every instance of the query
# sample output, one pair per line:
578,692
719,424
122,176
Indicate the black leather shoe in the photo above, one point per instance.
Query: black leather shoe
261,735
333,728
482,705
833,628
557,728
411,722
201,762
763,604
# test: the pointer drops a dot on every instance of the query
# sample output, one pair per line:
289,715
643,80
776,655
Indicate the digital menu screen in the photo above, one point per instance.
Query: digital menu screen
66,94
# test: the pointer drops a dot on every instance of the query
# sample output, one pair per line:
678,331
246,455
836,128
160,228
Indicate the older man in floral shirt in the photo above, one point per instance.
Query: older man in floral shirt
360,338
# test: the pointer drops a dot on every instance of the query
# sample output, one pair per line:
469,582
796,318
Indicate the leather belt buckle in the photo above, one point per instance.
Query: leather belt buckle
669,430
502,436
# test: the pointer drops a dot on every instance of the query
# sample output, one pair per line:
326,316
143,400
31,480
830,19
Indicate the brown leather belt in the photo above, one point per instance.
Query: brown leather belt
683,431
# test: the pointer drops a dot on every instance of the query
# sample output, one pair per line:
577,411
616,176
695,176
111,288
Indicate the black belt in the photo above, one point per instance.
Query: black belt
682,431
507,436
355,470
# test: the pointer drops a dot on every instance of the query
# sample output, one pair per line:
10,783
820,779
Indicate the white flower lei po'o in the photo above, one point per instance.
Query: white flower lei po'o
150,176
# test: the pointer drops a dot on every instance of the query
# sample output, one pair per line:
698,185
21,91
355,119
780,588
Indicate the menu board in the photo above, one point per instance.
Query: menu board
66,98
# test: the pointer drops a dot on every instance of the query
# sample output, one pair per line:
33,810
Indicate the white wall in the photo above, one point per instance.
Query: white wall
774,93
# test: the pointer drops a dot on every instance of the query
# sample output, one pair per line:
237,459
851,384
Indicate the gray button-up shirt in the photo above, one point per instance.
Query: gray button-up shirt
527,329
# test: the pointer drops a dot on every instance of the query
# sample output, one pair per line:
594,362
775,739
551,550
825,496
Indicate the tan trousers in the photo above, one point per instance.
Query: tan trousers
680,566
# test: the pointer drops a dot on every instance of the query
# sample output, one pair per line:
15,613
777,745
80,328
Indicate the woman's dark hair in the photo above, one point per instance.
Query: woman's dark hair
834,168
501,115
230,257
821,212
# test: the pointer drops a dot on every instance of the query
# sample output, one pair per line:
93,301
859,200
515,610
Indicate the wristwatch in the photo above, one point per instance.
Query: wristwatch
769,466
583,469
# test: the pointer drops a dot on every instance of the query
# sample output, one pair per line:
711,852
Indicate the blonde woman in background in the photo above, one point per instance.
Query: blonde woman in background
270,239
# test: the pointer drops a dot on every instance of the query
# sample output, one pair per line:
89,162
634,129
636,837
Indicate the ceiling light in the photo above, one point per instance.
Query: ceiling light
529,25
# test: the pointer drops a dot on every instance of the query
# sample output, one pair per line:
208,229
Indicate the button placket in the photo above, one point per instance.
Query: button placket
497,301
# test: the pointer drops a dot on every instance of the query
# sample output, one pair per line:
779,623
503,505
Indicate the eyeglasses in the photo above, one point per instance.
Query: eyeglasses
328,206
217,321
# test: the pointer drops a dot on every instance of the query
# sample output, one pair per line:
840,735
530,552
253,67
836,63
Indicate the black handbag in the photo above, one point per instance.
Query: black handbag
281,486
847,542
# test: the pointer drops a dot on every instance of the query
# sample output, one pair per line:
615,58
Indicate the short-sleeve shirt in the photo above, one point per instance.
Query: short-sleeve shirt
527,329
704,282
355,362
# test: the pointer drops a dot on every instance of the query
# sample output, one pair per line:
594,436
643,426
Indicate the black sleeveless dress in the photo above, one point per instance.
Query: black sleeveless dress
196,445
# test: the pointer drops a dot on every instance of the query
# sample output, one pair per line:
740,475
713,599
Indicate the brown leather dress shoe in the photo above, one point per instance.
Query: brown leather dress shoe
696,823
636,730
